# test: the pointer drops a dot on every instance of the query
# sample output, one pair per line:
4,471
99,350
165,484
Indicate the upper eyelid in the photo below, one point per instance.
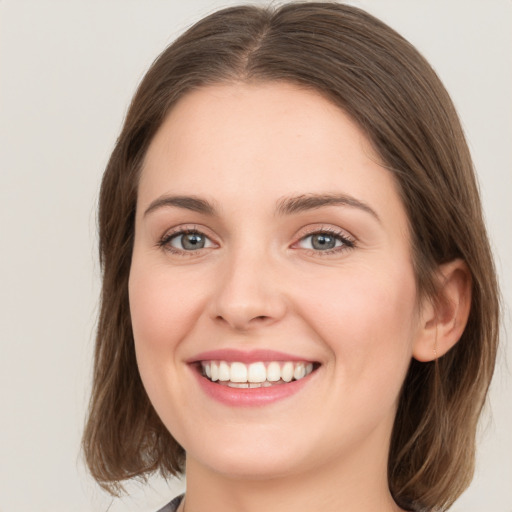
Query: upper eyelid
182,229
186,228
164,242
302,233
347,239
322,228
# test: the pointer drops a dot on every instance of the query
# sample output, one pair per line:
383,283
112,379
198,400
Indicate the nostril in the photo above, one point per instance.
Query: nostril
243,320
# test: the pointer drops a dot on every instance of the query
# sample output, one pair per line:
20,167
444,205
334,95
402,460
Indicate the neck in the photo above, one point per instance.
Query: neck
358,485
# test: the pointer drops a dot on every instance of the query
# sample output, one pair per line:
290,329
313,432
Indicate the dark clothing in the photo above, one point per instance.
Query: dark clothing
173,505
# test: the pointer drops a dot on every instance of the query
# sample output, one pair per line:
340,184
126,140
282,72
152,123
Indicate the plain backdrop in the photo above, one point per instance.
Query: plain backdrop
67,72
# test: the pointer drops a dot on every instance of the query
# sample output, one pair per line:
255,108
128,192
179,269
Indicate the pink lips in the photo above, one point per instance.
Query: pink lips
247,397
252,356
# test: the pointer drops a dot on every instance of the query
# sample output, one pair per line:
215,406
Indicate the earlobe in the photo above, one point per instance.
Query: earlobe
444,318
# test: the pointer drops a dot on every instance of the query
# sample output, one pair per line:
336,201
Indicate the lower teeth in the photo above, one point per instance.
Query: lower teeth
265,384
246,385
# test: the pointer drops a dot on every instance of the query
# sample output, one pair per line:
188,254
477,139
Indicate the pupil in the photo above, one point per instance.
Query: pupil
323,242
192,241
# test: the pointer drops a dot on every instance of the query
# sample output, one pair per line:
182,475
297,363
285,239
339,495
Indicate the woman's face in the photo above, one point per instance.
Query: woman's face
270,243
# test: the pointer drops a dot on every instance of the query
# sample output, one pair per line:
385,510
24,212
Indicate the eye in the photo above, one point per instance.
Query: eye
188,241
325,241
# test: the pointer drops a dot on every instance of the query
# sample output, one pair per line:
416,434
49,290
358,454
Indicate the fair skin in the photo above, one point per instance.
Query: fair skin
328,282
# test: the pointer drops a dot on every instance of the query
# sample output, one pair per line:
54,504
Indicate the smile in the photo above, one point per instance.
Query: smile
238,378
255,375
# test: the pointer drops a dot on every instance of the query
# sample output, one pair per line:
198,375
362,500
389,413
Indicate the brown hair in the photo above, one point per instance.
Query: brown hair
388,88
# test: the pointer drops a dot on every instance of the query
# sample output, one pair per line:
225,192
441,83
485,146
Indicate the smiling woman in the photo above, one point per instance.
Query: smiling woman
299,302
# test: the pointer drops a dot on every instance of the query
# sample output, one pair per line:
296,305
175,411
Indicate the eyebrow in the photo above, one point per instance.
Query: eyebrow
290,205
285,206
192,203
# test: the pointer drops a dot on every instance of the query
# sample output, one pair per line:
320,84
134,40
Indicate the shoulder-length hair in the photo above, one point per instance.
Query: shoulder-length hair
391,92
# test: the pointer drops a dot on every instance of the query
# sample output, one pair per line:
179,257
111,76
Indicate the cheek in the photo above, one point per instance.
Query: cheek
162,309
368,320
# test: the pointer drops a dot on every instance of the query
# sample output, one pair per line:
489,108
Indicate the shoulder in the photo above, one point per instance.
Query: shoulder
173,505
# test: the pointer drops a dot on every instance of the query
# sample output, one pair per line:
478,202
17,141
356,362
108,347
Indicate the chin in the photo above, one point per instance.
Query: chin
253,461
259,468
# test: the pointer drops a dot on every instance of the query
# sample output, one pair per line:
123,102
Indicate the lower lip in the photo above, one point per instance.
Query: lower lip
250,397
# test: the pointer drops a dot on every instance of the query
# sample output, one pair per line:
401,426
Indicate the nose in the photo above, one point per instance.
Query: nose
249,292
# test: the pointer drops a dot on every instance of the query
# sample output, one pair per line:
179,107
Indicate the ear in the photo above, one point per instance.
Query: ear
443,319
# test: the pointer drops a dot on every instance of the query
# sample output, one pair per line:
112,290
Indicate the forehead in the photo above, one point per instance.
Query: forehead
258,142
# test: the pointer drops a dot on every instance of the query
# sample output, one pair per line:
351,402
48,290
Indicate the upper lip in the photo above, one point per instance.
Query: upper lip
243,356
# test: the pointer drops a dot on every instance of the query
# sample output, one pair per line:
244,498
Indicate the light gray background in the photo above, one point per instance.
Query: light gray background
67,71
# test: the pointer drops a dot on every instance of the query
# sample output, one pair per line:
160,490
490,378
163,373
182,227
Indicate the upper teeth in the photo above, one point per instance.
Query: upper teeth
256,372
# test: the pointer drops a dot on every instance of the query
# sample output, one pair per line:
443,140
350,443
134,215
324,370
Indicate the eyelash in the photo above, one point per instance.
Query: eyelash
346,241
165,241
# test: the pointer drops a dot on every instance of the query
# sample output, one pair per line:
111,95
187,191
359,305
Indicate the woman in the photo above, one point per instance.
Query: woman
299,301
